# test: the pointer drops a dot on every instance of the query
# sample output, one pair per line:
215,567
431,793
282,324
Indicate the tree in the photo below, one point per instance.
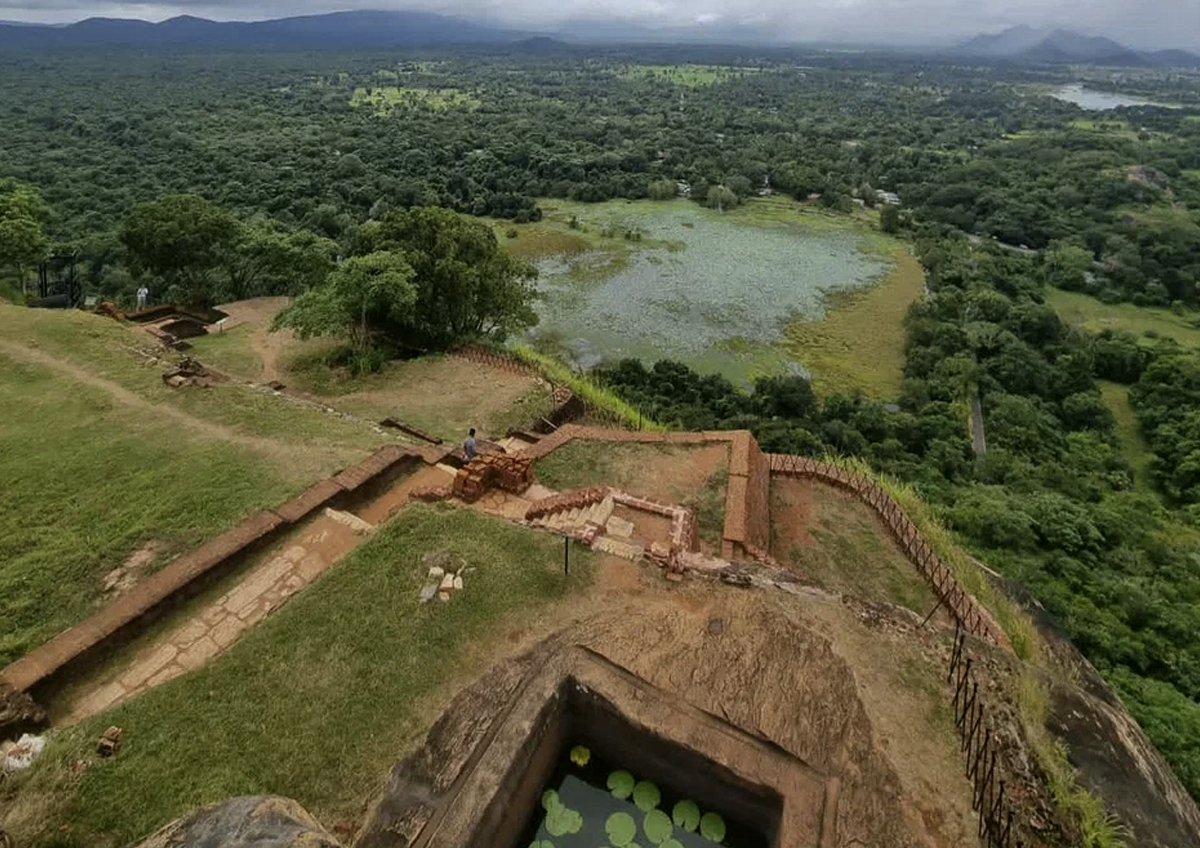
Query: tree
467,286
1066,266
182,238
889,218
361,298
22,242
662,190
266,260
721,198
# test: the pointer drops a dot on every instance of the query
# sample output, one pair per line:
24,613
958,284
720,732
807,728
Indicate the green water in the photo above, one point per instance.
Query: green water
714,291
593,804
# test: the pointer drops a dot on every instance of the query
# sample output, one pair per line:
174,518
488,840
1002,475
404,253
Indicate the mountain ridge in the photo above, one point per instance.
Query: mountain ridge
1026,44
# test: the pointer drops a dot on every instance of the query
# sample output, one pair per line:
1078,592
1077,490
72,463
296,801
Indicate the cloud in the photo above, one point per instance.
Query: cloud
1168,23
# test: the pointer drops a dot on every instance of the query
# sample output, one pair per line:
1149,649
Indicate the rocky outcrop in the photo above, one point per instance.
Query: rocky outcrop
260,821
19,713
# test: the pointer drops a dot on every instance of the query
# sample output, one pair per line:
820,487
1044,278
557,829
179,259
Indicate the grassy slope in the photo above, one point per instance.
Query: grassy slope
1096,315
1133,444
315,704
90,477
86,483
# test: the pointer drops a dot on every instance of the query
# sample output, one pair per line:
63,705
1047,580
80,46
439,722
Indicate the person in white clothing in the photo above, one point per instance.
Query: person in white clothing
142,294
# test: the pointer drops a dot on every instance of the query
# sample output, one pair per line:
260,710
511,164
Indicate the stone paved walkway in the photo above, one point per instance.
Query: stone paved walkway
298,561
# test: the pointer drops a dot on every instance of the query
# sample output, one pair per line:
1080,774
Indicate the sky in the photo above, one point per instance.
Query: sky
1138,23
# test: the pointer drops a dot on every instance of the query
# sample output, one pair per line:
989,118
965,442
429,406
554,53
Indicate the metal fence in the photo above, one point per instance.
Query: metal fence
981,751
979,744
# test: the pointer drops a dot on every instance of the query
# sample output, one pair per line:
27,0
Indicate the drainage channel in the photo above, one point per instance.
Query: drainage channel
213,624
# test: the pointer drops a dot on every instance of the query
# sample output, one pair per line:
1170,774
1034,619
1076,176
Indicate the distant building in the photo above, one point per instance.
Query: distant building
888,197
684,188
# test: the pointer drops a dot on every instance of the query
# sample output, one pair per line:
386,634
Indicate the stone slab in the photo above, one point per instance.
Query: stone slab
314,497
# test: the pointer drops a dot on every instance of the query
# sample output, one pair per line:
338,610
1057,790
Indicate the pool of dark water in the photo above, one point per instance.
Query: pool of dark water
592,803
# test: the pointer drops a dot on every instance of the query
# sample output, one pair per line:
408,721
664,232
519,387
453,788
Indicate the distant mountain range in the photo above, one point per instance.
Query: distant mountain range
336,29
411,29
1060,46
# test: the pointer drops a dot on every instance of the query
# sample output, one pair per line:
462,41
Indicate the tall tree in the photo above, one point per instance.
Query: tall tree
183,239
22,242
467,286
361,297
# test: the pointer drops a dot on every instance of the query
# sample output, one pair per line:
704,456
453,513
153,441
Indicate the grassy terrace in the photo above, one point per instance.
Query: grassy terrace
315,703
99,458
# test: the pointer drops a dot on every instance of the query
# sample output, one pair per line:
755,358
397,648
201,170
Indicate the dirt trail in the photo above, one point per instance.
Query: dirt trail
267,346
270,447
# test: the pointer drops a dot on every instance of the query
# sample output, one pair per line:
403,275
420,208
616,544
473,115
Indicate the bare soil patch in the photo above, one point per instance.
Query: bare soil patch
837,542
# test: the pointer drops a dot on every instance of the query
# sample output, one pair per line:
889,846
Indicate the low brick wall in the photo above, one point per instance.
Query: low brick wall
567,501
118,619
748,502
962,607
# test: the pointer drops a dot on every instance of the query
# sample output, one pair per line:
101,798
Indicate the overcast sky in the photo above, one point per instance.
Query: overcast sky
1140,23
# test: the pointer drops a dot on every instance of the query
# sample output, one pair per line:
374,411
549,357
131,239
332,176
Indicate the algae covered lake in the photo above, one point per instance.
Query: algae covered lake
723,292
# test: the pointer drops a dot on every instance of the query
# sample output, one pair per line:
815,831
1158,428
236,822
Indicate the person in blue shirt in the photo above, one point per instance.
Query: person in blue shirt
469,445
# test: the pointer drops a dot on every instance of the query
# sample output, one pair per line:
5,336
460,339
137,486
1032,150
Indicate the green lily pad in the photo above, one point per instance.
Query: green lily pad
550,800
541,843
621,828
656,826
563,820
620,784
712,827
646,796
686,815
580,755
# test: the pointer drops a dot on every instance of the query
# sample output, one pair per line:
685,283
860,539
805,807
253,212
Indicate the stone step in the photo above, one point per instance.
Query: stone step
604,511
617,547
619,527
352,521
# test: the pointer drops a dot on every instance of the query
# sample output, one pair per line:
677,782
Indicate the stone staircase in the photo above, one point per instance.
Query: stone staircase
577,521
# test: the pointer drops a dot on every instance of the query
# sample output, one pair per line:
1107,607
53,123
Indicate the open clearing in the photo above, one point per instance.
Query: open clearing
386,99
1095,315
1133,444
689,76
441,395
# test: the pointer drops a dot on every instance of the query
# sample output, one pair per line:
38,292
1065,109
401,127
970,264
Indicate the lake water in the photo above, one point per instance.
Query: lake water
712,291
590,803
1099,101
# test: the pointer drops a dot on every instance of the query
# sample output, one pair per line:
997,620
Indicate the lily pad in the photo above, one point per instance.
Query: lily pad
620,784
580,755
563,820
541,843
656,826
550,800
671,843
621,828
712,827
646,795
686,815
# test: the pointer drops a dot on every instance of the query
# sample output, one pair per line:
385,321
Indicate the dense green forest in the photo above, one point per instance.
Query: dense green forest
304,173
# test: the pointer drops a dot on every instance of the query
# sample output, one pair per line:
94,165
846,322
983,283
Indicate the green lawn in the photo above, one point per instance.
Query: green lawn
87,481
316,703
1095,315
1133,444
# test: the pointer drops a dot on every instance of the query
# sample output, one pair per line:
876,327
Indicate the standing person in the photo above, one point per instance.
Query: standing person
469,445
142,294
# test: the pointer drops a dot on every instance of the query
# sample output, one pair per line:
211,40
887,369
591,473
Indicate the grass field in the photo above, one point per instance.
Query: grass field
100,458
315,703
87,482
386,99
1133,443
1095,315
859,346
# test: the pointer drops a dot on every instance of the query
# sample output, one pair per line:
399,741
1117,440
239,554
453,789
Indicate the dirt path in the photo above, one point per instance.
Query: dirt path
199,426
267,346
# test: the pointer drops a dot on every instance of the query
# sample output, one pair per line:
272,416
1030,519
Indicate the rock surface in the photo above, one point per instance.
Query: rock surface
18,713
259,821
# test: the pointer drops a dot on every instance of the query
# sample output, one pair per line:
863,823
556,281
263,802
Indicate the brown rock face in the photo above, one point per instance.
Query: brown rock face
18,713
260,821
